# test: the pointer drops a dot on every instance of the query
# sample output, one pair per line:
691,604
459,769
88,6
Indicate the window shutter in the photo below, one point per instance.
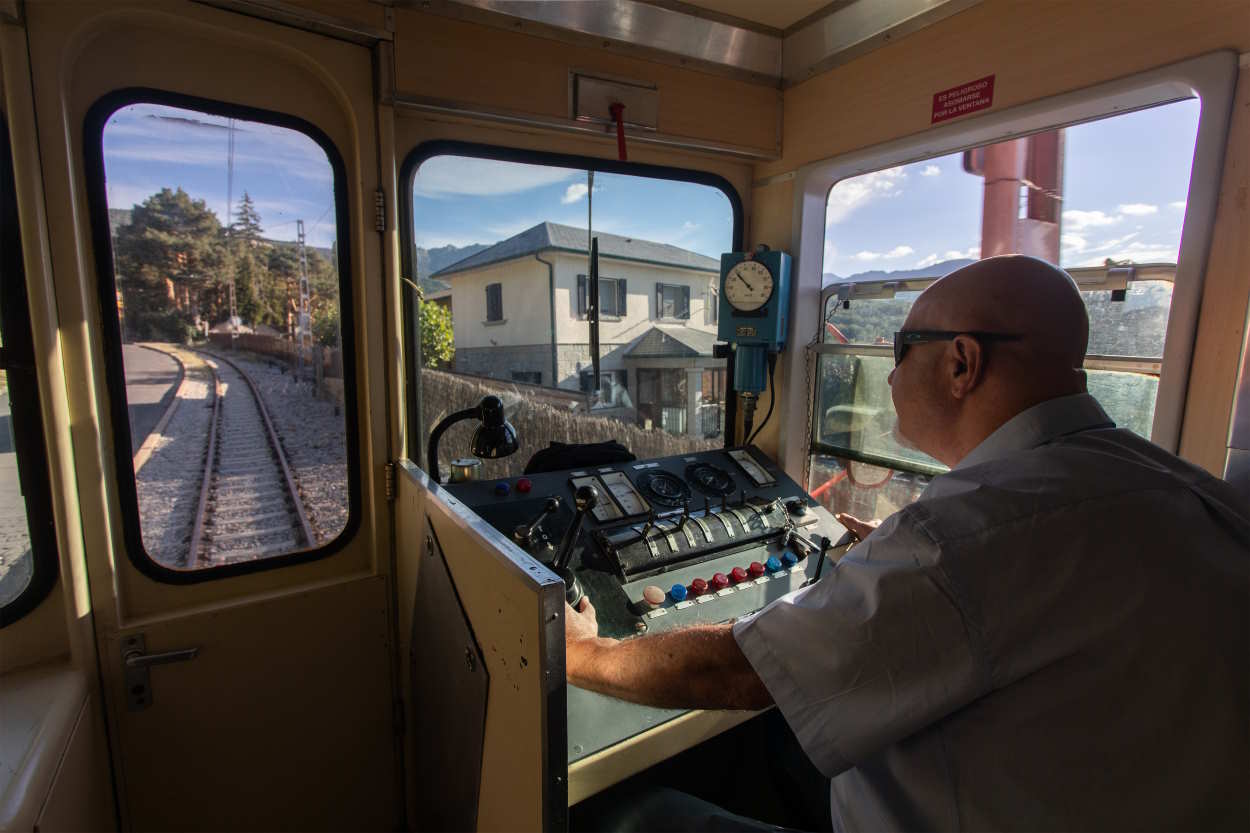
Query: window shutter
684,312
621,308
582,290
659,300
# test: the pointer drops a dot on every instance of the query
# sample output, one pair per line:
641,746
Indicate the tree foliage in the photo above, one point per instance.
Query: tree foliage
175,263
438,344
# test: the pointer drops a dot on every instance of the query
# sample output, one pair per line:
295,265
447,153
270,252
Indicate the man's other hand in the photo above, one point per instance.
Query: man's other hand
861,529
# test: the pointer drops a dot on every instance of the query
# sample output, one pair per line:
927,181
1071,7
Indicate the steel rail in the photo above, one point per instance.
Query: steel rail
206,483
271,433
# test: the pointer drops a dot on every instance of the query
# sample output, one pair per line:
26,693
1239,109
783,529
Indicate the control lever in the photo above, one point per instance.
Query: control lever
524,534
707,506
685,516
825,543
649,525
585,499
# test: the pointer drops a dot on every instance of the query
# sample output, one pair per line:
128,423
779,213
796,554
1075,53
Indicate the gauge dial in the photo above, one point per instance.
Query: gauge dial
748,286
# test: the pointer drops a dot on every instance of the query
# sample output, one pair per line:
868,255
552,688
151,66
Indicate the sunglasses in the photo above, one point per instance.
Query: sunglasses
904,339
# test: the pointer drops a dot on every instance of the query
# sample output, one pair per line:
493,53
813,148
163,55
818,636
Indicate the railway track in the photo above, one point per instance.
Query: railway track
249,504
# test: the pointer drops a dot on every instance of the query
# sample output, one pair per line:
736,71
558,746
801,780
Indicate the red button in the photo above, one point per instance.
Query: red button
524,485
738,575
698,587
756,569
719,581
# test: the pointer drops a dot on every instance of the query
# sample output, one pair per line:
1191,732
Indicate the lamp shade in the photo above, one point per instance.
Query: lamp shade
495,437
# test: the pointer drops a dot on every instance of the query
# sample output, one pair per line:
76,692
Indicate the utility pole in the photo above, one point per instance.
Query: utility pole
304,326
234,311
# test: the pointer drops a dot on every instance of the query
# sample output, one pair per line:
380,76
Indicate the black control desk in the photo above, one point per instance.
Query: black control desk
695,538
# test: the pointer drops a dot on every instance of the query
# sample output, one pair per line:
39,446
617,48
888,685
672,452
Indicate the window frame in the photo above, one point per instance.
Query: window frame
619,296
111,342
411,325
498,293
660,288
1210,78
17,355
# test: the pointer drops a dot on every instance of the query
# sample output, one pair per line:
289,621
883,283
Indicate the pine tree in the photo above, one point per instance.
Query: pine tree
246,225
167,259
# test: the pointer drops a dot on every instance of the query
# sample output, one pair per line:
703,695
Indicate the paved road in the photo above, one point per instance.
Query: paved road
15,560
150,378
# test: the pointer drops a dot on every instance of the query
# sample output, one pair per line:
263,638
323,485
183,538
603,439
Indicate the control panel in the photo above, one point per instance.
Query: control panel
657,544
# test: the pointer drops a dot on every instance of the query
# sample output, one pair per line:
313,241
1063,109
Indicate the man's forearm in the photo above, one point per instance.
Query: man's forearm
697,668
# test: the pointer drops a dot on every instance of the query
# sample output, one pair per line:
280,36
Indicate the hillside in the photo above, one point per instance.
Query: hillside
430,261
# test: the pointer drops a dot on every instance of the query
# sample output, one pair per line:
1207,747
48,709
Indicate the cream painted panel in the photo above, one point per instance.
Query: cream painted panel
526,311
82,792
282,721
409,537
77,47
1226,294
1035,50
39,709
641,279
471,63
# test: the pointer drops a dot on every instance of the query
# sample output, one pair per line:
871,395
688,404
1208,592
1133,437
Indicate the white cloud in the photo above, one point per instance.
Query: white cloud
1179,205
1138,209
928,260
1073,242
574,192
831,252
970,253
850,194
447,176
1080,220
931,170
689,226
892,254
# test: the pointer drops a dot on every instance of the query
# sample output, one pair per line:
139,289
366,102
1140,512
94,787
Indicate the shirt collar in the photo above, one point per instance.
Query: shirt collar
1039,425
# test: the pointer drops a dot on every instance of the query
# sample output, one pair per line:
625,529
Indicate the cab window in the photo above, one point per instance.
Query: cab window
1104,199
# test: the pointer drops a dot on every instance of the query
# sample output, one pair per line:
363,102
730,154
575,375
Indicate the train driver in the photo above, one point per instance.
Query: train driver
1055,636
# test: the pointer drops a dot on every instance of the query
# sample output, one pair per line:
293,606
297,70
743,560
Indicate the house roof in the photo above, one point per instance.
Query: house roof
666,341
548,236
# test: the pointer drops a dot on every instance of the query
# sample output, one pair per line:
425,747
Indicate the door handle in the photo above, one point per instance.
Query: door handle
135,664
138,659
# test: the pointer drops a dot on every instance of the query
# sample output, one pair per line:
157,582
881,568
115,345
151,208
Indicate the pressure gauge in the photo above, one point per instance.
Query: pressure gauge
748,286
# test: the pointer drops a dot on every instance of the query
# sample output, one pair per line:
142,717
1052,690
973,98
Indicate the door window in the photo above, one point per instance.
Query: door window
232,328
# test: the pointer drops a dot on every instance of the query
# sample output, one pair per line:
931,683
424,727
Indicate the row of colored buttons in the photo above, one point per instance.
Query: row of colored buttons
503,487
737,575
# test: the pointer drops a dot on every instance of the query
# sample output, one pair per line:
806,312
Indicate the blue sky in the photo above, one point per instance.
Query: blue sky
148,147
460,200
1125,182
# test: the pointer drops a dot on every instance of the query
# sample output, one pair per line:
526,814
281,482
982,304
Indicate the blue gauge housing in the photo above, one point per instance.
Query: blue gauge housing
755,333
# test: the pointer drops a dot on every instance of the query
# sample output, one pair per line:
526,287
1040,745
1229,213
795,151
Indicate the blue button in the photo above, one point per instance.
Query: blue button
502,488
789,558
772,564
678,592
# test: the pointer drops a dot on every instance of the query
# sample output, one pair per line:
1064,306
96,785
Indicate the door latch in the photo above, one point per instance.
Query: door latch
135,664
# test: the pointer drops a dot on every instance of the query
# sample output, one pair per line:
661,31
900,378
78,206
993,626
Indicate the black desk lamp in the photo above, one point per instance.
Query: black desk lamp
494,438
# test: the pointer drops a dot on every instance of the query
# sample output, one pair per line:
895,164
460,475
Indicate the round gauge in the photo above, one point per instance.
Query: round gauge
709,479
748,286
664,488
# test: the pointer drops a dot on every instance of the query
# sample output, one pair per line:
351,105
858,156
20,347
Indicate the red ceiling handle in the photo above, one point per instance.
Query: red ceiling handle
617,109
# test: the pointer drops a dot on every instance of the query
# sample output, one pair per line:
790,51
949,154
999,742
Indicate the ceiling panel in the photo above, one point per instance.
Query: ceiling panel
779,14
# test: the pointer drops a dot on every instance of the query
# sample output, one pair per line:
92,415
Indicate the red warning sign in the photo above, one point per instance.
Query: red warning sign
964,99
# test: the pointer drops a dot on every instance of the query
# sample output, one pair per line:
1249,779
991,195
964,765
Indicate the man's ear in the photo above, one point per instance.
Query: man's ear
967,365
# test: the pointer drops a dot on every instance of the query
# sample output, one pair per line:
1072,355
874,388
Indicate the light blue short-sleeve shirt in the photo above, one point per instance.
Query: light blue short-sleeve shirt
1056,636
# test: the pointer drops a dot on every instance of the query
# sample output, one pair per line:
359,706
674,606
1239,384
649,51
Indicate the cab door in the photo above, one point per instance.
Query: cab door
210,189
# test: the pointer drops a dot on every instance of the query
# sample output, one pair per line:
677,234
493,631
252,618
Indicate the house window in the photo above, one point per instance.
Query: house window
662,399
241,301
1104,199
672,301
612,299
494,302
528,377
711,309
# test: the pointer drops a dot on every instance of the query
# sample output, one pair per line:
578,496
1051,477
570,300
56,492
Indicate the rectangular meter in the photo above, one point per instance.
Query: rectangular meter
758,474
626,495
606,509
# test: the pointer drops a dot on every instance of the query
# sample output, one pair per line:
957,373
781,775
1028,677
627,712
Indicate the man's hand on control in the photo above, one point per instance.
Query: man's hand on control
861,529
580,623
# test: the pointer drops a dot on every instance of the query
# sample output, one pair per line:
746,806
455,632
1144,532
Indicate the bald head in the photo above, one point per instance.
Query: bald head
954,393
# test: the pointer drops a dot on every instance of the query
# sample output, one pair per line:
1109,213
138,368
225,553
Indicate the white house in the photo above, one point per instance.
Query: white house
519,313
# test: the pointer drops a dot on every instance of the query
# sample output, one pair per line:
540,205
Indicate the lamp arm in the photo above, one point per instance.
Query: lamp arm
437,434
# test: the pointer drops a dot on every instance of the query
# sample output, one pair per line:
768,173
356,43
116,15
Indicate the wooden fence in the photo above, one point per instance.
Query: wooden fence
537,423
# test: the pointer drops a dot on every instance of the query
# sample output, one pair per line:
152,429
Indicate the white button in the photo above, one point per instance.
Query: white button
684,605
659,611
761,580
728,591
704,599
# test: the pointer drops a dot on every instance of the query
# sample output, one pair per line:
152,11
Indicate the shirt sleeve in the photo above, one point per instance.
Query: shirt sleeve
875,651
